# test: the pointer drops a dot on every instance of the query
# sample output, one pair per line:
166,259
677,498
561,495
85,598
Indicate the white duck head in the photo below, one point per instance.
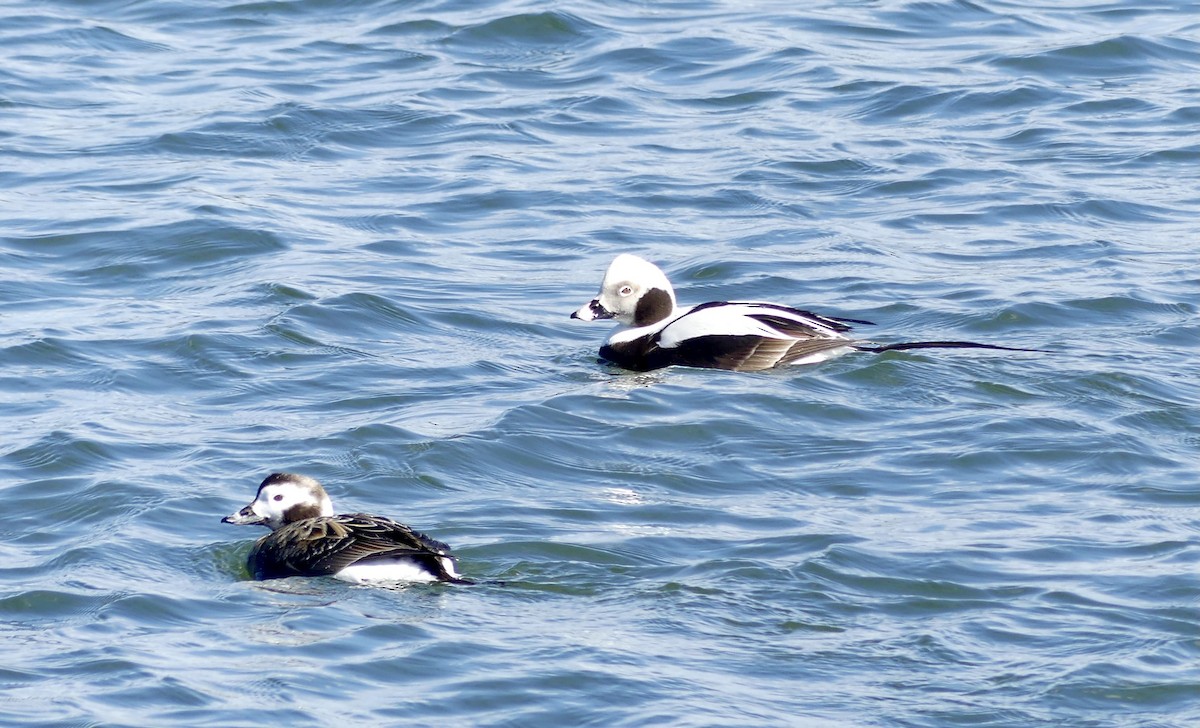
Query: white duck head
634,292
284,498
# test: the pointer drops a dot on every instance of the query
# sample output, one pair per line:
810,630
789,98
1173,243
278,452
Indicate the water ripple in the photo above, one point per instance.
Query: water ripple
345,241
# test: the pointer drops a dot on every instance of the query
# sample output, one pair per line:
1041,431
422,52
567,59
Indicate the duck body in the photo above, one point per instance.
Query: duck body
353,547
307,539
741,336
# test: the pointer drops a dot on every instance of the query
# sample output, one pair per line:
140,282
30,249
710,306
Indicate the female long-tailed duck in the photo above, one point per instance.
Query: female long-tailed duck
307,539
742,336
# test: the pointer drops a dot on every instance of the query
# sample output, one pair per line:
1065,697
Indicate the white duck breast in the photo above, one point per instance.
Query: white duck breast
307,539
741,336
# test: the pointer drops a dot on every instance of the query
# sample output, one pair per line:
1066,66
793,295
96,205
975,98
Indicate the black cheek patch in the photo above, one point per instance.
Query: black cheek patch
654,306
301,511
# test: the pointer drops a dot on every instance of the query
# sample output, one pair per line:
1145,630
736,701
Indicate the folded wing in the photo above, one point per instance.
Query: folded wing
325,546
753,336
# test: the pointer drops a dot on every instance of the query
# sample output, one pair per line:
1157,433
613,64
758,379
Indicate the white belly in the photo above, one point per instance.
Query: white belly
390,570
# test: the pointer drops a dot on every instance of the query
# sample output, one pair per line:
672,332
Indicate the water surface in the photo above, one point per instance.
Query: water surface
344,241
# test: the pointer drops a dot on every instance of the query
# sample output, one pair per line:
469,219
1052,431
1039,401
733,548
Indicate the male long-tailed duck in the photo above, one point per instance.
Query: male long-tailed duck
742,336
307,539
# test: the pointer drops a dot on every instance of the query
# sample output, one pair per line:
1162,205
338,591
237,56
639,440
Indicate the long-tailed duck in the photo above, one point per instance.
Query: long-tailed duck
742,336
307,539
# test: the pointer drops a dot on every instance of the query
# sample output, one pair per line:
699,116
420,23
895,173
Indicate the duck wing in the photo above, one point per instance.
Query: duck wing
724,318
750,336
788,319
750,353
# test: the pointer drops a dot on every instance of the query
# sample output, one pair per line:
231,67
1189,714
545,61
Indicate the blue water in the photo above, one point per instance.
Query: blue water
343,239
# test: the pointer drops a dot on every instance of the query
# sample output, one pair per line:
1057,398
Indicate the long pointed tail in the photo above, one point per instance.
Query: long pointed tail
941,345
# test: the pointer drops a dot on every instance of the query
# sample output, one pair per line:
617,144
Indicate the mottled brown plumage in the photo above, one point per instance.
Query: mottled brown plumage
325,545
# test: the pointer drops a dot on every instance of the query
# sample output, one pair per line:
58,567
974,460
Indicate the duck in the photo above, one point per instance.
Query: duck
654,332
308,539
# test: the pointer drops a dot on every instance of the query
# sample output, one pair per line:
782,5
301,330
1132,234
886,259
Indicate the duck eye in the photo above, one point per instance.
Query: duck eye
625,290
278,497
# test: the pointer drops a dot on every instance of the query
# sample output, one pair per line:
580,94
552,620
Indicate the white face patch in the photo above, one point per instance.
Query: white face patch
275,500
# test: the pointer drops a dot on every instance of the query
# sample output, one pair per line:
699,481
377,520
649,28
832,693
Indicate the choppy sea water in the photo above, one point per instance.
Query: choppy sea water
344,239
